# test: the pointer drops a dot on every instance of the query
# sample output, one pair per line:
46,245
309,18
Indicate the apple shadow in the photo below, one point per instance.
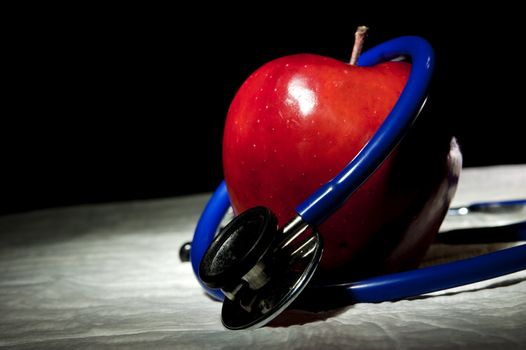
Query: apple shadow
313,305
298,317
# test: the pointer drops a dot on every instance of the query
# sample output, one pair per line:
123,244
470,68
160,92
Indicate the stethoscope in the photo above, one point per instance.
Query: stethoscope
259,271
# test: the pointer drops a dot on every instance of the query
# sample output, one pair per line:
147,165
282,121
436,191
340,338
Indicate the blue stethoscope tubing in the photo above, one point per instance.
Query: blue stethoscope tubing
327,199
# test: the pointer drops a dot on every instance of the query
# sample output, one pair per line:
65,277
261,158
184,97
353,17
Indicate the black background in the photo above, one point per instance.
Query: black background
129,103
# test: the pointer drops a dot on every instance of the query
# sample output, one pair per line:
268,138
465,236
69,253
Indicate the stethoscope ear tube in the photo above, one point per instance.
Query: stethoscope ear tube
430,279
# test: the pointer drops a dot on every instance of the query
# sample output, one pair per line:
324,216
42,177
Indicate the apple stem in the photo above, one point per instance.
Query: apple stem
359,37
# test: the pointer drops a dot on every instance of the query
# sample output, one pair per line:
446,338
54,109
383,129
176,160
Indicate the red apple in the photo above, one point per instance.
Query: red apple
298,120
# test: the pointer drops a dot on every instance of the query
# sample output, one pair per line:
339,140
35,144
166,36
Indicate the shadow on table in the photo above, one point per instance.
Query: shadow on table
293,317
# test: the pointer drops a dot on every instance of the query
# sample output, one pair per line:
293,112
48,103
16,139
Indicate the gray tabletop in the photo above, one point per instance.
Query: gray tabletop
109,276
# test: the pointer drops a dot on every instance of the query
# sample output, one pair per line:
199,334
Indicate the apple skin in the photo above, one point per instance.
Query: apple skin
298,120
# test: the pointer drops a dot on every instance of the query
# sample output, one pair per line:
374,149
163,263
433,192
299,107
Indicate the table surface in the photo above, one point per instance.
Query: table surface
108,275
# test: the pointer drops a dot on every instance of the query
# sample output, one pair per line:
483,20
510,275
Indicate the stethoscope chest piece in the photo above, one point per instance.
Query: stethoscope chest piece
259,269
